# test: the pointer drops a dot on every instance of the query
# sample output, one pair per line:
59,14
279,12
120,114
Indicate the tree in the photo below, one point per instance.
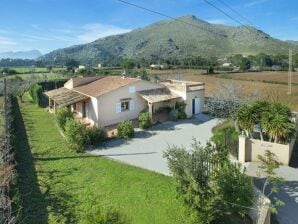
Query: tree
128,64
244,64
269,163
208,182
71,64
246,118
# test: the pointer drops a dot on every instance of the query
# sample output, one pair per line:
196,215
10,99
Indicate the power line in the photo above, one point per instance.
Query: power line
170,17
232,18
223,12
236,12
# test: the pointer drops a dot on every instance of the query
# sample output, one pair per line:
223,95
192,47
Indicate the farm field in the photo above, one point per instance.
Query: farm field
38,76
269,91
34,69
57,185
273,76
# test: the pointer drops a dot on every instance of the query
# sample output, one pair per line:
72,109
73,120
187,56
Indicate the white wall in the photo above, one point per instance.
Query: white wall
192,95
107,114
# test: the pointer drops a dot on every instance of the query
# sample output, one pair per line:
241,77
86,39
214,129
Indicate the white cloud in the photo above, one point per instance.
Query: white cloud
7,41
253,3
91,32
217,21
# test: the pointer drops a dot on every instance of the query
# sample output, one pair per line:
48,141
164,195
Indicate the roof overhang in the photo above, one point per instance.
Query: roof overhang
157,95
65,97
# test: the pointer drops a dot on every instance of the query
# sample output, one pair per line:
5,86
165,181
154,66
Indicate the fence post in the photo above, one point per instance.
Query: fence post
242,148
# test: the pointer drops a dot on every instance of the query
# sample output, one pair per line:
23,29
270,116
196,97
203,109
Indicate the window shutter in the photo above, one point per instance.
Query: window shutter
131,105
118,107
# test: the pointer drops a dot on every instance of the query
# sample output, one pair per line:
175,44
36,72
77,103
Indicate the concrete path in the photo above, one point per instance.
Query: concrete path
146,149
287,214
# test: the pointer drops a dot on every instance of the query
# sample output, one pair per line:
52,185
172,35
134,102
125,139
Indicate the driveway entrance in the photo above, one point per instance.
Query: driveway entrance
146,149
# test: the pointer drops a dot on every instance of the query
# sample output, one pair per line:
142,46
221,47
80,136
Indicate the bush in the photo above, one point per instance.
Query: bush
226,135
144,120
182,115
180,106
62,115
36,94
125,129
76,135
95,135
173,115
97,215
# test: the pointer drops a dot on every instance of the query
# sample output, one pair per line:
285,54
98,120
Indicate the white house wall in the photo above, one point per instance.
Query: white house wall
192,95
107,114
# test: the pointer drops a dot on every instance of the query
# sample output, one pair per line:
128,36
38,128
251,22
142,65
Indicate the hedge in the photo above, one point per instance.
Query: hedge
36,93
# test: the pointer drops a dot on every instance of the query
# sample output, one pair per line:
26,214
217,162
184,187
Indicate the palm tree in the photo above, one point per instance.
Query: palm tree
246,119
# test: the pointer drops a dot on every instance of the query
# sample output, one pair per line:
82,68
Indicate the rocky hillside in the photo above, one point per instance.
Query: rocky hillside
171,38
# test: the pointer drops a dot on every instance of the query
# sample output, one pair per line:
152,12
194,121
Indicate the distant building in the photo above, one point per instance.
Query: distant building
156,66
227,64
82,67
99,65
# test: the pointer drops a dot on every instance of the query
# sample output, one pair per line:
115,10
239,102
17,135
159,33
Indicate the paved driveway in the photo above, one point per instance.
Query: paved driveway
287,214
146,149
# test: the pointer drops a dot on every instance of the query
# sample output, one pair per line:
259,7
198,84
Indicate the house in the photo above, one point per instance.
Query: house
156,66
227,64
104,101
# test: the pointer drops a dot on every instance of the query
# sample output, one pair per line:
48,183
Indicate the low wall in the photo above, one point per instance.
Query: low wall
249,149
260,212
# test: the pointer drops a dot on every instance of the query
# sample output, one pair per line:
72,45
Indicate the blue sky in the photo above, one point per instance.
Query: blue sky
47,25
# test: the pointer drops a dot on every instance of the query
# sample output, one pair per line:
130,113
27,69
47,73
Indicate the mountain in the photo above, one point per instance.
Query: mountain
292,42
175,39
33,54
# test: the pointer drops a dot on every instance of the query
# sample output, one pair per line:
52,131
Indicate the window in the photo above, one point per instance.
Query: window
124,106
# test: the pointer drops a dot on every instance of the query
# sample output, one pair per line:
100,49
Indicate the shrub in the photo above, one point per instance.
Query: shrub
76,135
125,129
144,120
96,214
62,115
95,135
180,106
36,94
227,136
173,115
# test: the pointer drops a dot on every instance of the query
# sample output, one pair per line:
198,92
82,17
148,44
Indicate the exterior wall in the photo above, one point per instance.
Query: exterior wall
91,112
107,114
255,147
192,95
169,103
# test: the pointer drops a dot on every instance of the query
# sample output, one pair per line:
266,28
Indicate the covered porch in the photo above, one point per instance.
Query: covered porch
160,102
75,101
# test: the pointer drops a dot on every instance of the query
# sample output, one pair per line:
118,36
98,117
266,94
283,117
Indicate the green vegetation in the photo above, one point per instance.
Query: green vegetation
209,183
125,129
36,93
58,185
180,106
173,115
144,120
62,115
273,119
185,46
269,165
226,135
76,135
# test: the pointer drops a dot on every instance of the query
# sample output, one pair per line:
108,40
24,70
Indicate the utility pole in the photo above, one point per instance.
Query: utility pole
290,72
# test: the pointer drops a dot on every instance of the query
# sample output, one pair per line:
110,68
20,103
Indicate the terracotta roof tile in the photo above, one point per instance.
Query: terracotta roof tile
104,85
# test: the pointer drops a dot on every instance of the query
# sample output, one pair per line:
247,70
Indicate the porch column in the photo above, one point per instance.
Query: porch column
54,107
50,103
150,110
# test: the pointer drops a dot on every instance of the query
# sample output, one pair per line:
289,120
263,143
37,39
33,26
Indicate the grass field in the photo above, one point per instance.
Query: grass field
267,76
38,75
34,69
269,91
57,185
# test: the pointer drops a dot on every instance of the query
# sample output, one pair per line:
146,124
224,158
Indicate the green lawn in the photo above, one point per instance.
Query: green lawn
56,184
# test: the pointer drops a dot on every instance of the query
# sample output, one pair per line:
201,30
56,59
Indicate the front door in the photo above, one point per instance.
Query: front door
196,106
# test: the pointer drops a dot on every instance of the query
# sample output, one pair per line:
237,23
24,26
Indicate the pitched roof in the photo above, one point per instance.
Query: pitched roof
104,85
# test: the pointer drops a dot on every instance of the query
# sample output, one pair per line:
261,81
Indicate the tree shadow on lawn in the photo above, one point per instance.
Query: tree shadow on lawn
294,158
34,203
